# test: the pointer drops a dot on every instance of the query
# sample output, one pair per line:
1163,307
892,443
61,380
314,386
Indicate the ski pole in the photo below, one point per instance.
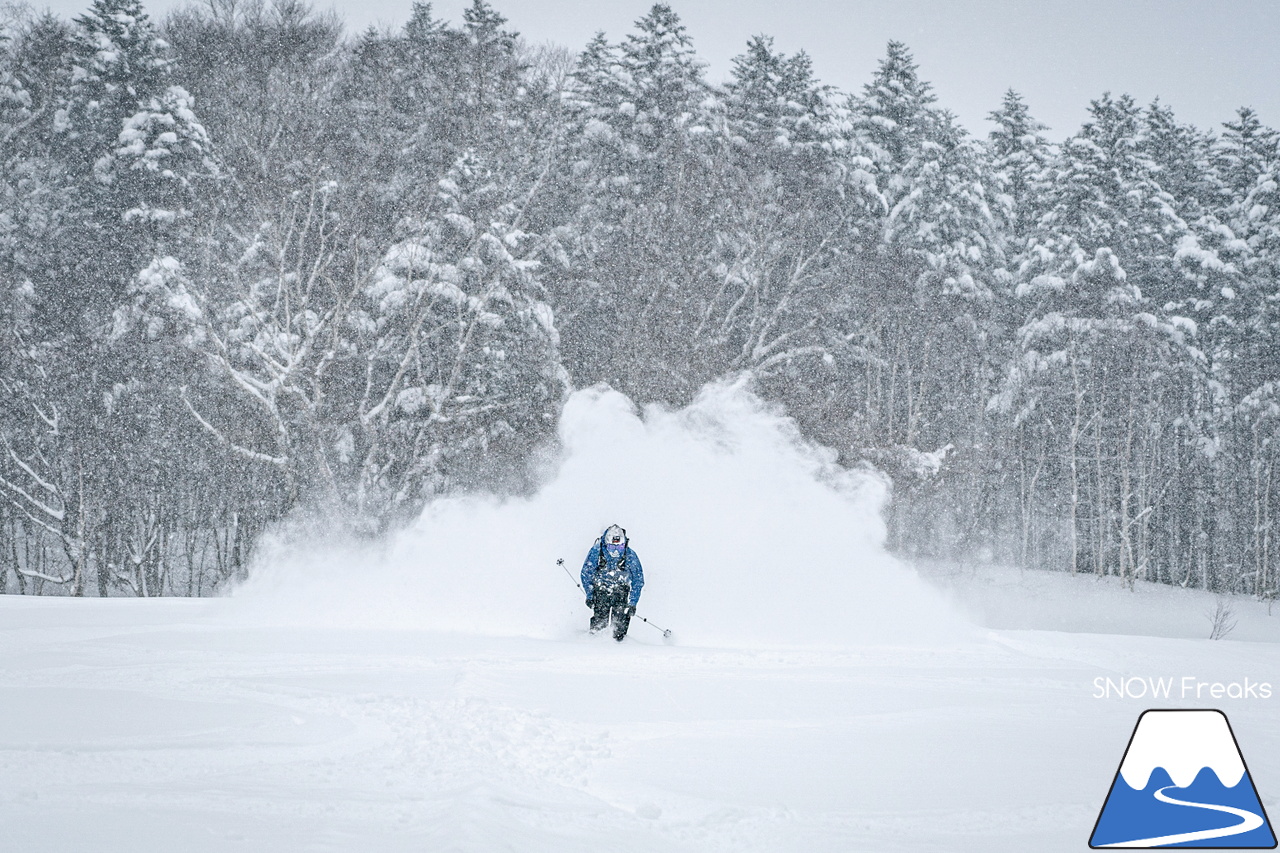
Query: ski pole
560,563
666,634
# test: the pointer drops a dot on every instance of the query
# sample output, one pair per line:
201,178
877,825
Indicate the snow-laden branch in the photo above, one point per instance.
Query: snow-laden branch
39,522
29,573
47,508
788,355
278,461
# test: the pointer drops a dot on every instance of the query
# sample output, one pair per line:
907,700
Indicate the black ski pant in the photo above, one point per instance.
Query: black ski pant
611,602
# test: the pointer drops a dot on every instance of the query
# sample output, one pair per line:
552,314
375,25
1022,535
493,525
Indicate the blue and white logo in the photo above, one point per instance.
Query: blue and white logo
1183,783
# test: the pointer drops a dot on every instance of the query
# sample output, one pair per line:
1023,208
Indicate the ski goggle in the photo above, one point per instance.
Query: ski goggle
615,546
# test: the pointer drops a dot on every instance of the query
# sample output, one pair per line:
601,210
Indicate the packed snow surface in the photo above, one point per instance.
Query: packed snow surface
441,694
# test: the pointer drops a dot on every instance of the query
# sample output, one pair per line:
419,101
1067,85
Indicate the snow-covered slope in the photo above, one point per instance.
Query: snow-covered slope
160,725
1006,598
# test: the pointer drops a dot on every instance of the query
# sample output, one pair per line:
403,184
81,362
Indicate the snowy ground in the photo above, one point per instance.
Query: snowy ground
439,694
162,725
1001,597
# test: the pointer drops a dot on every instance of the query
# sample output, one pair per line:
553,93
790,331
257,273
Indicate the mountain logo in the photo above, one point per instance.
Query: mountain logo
1183,783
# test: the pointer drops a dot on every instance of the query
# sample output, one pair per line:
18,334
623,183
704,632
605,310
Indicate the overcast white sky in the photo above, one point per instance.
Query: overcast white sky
1204,57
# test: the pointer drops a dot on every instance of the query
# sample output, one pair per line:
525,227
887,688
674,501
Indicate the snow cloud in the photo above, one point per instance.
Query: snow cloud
749,536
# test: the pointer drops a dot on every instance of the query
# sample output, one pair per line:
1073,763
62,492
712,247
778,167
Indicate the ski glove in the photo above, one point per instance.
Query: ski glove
631,610
589,604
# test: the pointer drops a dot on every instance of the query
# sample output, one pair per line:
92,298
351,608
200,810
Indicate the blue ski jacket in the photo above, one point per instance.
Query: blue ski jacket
611,576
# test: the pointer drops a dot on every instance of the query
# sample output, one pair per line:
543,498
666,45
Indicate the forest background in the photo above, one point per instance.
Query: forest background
254,269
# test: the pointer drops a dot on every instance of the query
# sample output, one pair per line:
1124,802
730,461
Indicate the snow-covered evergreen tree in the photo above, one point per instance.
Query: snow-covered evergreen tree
1107,362
458,83
128,139
639,103
794,201
930,174
645,206
1246,150
773,101
896,114
1020,154
1103,192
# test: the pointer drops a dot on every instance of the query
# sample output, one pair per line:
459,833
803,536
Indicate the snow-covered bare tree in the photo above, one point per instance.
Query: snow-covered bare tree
463,374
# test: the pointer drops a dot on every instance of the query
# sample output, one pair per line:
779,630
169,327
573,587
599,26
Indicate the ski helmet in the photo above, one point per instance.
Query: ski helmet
615,537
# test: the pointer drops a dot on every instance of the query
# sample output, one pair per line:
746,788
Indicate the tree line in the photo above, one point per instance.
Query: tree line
253,267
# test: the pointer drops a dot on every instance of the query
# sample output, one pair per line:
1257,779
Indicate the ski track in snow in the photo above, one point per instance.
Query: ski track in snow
159,725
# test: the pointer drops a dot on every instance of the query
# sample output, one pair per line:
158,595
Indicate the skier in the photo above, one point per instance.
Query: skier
612,578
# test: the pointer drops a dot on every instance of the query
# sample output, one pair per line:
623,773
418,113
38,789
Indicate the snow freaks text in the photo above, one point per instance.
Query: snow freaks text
1186,687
